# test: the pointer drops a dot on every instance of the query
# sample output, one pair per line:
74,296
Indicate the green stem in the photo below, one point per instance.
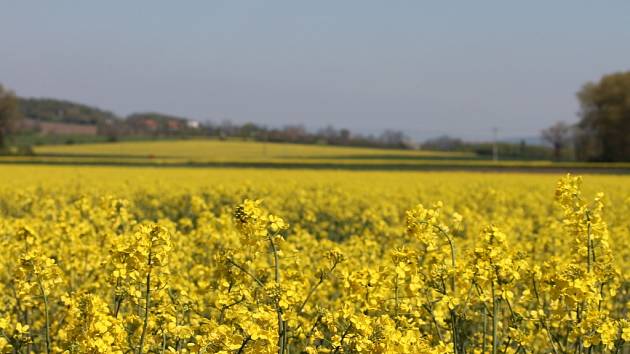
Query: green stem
343,337
429,308
322,278
485,329
46,314
543,321
452,247
495,321
281,323
245,341
396,296
118,304
454,332
588,244
118,299
146,309
455,335
242,269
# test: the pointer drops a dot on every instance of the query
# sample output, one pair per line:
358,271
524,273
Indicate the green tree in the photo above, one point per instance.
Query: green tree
54,110
8,113
604,128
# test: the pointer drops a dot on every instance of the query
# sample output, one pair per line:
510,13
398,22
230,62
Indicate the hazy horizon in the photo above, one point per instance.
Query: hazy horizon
425,69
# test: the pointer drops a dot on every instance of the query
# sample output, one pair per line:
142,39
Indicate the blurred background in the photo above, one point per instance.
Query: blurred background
532,80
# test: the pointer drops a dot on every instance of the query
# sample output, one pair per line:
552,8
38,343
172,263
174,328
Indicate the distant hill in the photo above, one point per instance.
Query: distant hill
52,110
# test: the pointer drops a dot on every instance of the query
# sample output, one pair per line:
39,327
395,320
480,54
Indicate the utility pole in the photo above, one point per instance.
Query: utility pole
495,148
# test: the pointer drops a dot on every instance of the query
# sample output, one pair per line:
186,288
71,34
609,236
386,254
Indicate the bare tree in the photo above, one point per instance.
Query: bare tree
8,113
393,138
559,136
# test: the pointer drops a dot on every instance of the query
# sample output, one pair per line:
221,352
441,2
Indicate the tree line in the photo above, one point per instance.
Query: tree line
601,134
603,131
508,150
157,125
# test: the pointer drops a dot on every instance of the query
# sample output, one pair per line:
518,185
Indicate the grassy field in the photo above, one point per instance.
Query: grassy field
238,154
216,150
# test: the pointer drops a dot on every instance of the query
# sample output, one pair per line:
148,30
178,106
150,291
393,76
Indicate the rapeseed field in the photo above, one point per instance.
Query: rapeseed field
150,260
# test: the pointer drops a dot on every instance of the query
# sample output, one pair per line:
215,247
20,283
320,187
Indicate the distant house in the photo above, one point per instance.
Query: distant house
156,123
173,125
150,124
57,128
192,124
143,124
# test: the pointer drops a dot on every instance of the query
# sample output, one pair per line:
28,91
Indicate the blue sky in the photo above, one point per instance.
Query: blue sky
426,68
